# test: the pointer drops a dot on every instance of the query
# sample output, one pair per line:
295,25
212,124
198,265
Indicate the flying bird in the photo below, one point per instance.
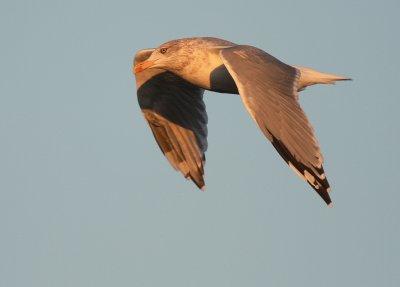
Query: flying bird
171,81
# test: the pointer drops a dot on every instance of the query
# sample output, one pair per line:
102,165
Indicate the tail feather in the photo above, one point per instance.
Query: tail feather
309,77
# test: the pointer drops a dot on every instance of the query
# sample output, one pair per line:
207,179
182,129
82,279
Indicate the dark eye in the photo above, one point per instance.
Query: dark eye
163,50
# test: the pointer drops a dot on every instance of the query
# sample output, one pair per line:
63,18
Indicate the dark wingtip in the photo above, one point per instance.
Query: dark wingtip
321,186
198,182
323,193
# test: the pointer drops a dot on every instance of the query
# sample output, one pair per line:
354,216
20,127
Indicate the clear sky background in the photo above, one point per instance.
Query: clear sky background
87,199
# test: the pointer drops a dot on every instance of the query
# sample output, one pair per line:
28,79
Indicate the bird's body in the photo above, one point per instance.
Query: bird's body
171,81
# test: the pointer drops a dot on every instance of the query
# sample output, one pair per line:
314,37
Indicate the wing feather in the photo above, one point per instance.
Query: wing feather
176,114
268,89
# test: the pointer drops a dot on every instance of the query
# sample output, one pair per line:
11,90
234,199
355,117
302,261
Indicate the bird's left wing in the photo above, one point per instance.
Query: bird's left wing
176,114
268,89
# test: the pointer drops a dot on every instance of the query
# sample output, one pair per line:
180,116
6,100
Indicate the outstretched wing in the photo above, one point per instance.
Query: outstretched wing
176,114
268,89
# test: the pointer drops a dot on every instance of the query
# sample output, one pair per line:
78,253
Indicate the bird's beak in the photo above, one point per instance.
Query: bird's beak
144,65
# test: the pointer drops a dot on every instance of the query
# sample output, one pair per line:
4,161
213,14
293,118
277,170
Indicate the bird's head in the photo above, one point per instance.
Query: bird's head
172,56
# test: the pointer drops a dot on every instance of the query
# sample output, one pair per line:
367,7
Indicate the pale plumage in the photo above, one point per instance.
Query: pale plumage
170,84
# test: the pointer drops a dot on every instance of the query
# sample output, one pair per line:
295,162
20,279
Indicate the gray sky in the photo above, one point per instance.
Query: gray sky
87,199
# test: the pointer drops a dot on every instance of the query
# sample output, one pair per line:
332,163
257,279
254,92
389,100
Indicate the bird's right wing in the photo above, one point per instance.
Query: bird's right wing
268,89
176,114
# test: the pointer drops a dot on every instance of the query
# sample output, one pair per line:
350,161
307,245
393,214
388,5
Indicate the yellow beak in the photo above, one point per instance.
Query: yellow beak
144,65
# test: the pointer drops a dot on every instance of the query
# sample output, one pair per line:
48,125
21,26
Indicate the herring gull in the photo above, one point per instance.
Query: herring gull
171,80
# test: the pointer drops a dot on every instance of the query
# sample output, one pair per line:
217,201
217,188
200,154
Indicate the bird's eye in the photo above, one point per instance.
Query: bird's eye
163,50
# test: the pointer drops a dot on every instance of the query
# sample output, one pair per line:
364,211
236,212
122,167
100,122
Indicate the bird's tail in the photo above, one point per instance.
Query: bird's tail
310,77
